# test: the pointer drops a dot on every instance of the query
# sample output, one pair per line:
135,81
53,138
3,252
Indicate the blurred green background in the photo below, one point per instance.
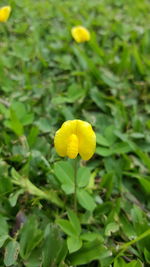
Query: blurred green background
47,78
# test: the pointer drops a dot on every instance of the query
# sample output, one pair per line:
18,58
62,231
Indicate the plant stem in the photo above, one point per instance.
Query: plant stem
75,184
128,244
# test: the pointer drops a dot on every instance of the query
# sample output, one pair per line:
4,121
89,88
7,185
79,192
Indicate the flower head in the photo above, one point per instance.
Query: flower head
80,34
75,136
4,13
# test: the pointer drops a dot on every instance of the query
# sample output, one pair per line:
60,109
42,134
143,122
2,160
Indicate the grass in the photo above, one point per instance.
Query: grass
47,78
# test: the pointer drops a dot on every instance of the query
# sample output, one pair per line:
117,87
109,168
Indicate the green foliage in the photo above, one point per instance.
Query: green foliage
120,262
90,251
54,247
31,236
11,253
47,78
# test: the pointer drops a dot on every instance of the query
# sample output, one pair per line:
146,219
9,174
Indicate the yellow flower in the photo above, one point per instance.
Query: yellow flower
80,34
4,13
75,136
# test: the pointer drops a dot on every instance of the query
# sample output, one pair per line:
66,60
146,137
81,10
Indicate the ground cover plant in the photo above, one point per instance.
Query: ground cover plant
47,78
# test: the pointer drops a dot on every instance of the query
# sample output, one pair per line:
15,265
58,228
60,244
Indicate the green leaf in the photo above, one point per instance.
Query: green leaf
98,99
14,196
91,236
5,185
15,123
107,182
54,248
67,227
111,228
118,148
35,258
145,182
32,137
89,252
30,238
11,252
138,59
74,243
4,111
142,155
127,227
135,263
110,79
74,93
147,255
65,174
86,200
109,134
3,238
3,226
74,221
67,113
44,125
101,140
102,151
121,263
83,176
28,119
121,148
20,109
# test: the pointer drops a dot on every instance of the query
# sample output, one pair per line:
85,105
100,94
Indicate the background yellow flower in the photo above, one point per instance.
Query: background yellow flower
4,13
80,34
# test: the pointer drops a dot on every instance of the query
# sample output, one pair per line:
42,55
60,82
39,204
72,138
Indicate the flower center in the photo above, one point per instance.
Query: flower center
72,147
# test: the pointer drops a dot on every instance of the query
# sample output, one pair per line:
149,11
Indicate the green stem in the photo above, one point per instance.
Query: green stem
29,187
128,244
75,184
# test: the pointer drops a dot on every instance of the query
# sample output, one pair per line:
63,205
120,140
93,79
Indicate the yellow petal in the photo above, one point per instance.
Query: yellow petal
87,140
72,147
80,34
62,136
4,13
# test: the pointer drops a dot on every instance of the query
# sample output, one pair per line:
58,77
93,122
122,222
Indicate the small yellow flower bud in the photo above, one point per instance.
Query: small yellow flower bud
80,34
75,136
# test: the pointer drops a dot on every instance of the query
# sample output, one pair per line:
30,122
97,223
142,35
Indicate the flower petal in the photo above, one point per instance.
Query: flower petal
72,146
62,136
87,140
